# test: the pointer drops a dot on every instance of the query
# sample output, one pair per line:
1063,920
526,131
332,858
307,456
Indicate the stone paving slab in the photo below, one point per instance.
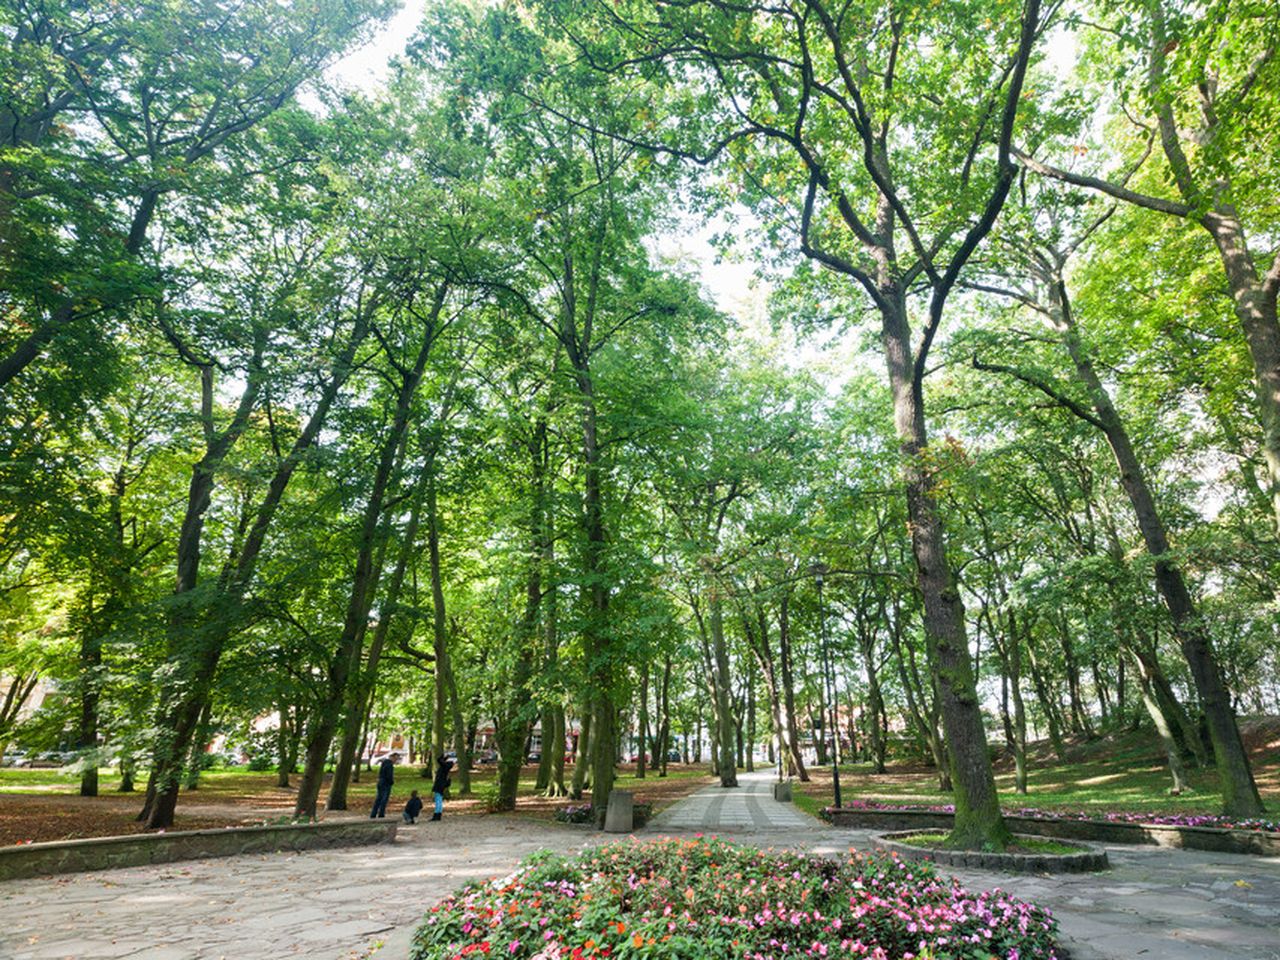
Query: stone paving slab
745,808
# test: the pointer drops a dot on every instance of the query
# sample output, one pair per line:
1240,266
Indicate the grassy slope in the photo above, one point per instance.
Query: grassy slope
1122,772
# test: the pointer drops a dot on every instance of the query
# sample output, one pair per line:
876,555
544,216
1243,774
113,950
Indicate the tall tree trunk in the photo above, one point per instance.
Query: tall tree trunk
796,762
1164,732
360,696
364,579
192,647
462,742
284,763
185,697
517,713
555,786
978,820
1047,704
1240,797
664,712
90,677
643,721
581,756
1014,661
724,719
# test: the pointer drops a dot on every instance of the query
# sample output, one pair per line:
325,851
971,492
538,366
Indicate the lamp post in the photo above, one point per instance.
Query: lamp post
819,572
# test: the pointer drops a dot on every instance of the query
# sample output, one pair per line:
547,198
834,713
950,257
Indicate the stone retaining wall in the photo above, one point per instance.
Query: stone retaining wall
1085,861
1214,839
102,853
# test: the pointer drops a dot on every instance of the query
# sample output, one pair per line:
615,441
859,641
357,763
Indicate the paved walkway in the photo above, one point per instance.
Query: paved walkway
749,807
357,903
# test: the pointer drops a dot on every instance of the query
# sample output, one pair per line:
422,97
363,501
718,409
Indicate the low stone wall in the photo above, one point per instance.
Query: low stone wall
1214,839
1085,861
103,853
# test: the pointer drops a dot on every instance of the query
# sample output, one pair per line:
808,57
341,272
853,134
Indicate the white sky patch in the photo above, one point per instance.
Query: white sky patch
368,66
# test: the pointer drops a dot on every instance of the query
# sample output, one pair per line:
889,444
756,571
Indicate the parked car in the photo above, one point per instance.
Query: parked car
52,758
16,758
535,756
487,756
673,756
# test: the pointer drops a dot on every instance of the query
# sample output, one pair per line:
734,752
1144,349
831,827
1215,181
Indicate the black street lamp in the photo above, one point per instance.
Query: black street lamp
819,571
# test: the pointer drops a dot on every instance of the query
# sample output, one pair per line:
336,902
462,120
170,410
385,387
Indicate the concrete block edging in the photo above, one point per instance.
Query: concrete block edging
1086,861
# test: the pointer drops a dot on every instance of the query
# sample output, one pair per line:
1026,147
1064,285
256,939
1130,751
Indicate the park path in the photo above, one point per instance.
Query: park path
748,808
364,902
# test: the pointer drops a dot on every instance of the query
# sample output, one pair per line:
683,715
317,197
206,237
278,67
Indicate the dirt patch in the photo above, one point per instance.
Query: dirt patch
57,813
35,819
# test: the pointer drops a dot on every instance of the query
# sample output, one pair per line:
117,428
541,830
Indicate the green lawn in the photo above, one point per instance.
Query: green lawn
1120,773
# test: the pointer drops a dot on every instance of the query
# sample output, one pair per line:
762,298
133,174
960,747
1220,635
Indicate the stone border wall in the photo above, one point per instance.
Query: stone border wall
103,853
1213,839
1086,861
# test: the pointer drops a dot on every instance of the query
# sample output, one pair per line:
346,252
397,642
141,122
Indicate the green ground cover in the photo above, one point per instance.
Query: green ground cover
1022,844
1121,773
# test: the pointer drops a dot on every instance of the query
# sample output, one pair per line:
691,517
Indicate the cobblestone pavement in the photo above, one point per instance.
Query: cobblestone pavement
360,902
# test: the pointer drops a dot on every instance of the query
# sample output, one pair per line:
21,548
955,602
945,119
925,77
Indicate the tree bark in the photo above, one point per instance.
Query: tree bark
1240,797
186,697
978,821
364,579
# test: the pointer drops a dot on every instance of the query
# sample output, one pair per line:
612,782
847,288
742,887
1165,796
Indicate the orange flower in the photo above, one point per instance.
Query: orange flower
622,927
637,940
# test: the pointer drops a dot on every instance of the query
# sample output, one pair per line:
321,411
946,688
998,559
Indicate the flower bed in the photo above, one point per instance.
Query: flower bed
1116,828
704,899
1113,816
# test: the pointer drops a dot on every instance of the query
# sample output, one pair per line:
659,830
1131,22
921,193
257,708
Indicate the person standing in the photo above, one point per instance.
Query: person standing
386,778
440,785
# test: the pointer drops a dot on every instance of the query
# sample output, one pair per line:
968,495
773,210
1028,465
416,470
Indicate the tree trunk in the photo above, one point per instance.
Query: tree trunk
789,690
1014,646
1046,704
581,756
724,719
978,821
185,697
1240,797
643,720
463,737
1164,731
517,712
664,711
360,695
364,580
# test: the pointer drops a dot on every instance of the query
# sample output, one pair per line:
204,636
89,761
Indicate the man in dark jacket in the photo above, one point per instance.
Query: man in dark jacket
440,784
386,777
